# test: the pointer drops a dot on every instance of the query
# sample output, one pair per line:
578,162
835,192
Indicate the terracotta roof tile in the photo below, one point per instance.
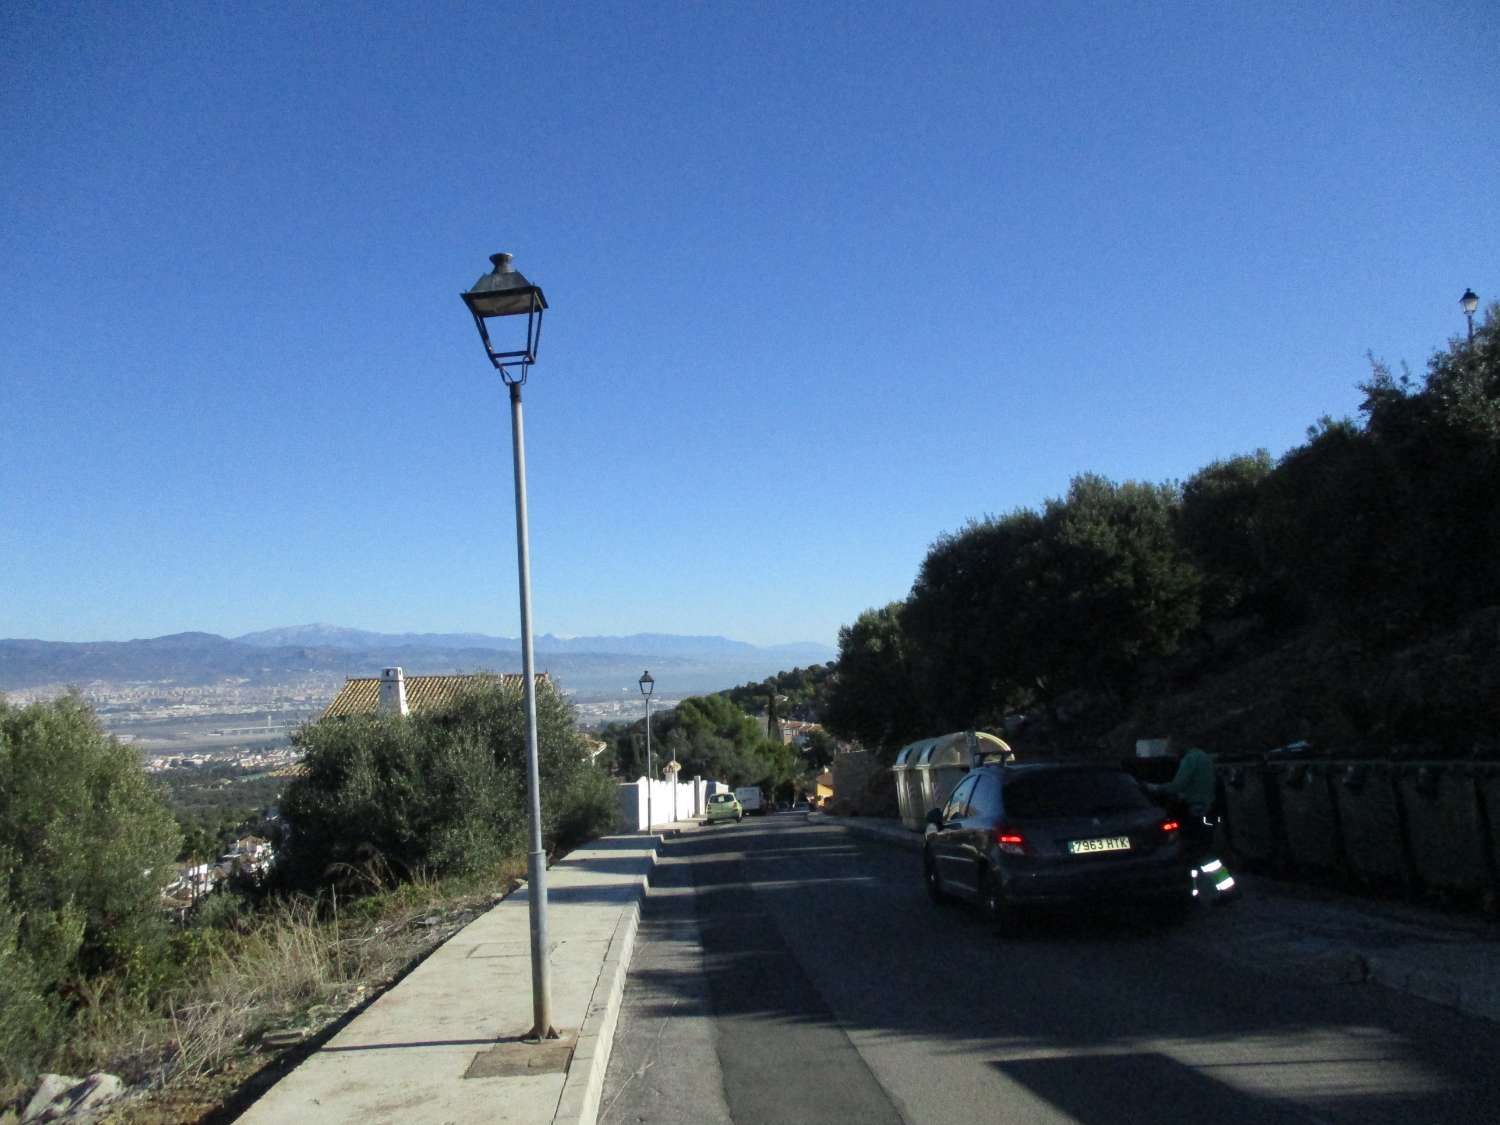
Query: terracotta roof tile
361,695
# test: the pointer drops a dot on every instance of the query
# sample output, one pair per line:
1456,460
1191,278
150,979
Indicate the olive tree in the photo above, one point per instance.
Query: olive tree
386,796
86,846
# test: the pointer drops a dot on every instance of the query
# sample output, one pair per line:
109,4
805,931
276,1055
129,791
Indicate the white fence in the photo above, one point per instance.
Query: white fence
683,800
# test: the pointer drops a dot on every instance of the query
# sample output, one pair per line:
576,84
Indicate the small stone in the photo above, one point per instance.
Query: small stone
61,1097
52,1087
95,1092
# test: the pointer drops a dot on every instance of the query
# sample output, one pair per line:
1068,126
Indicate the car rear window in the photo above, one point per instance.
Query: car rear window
721,798
1073,793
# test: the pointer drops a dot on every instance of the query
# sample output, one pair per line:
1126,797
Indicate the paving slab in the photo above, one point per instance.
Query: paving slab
444,1045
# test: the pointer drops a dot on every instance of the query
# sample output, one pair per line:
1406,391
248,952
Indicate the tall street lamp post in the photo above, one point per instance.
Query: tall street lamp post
503,292
647,686
1470,302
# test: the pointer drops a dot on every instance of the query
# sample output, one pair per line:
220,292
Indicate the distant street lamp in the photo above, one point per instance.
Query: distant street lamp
648,685
503,292
671,770
1470,302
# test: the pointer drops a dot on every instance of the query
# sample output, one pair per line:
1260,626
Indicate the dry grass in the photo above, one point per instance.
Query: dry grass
299,967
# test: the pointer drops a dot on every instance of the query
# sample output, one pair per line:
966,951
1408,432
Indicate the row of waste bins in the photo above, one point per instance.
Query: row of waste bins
1407,826
926,772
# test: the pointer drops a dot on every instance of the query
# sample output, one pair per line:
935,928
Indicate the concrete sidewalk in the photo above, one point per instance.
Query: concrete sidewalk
443,1044
1328,937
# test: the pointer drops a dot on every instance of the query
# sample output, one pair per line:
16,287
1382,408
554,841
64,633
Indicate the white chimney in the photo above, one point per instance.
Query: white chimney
393,692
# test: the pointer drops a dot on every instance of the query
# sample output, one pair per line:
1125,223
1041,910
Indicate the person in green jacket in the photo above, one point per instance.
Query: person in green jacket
1193,788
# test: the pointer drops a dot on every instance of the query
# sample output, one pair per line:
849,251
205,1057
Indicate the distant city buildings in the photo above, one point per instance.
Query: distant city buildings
794,733
270,760
249,857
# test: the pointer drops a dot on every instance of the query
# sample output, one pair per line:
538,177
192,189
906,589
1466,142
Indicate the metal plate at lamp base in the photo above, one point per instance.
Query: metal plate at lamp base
516,1058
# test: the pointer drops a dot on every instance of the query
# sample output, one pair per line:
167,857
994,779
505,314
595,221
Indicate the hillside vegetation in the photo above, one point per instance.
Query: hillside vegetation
396,827
710,736
1344,593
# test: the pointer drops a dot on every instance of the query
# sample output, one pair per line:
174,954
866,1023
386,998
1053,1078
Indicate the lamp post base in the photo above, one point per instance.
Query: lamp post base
541,984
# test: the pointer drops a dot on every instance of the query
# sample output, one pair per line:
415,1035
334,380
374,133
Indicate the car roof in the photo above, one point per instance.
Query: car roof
1024,769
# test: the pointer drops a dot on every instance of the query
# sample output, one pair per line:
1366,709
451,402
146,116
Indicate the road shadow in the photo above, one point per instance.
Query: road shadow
808,925
1147,1086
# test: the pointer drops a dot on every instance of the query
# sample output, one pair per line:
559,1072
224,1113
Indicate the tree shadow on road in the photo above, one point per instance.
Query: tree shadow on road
813,928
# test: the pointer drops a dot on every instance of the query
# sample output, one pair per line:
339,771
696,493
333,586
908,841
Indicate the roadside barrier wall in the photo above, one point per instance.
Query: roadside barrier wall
1413,827
690,799
1371,817
1252,815
1309,814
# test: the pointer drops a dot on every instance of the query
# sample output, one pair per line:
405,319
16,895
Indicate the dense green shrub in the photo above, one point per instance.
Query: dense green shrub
387,797
86,845
96,840
709,736
31,1019
587,805
1380,534
1331,516
1221,528
1440,442
1021,609
1110,586
873,698
1389,527
965,621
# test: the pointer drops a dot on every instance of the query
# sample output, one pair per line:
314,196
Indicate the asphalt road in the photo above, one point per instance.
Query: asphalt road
788,971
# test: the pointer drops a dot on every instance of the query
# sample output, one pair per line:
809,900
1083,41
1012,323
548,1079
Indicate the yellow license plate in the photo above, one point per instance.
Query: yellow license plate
1101,844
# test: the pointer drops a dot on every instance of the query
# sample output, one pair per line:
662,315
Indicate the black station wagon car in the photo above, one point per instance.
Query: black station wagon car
1039,834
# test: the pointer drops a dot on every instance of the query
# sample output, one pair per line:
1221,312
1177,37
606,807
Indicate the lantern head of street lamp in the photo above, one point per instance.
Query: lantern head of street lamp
1469,301
505,292
647,684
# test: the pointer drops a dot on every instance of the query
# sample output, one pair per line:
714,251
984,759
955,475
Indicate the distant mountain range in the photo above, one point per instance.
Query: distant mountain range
650,644
582,664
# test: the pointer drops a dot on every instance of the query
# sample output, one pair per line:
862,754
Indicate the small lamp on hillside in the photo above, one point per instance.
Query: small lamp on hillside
1470,302
499,294
648,685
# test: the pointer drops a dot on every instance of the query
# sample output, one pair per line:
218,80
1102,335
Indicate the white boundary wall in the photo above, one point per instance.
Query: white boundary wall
691,798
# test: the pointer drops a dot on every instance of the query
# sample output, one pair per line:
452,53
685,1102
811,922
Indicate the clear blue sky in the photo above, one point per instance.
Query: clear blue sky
827,280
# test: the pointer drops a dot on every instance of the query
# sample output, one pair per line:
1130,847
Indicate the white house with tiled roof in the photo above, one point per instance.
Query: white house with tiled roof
394,692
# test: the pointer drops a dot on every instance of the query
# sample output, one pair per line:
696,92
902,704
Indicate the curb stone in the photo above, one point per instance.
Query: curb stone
584,1084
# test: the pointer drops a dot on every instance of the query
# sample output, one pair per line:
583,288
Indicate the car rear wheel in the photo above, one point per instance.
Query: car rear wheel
992,905
930,878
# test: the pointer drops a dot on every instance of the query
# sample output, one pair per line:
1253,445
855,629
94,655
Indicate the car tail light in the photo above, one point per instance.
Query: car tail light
1009,841
1169,826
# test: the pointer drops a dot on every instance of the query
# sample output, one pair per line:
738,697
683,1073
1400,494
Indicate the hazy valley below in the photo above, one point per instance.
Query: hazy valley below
204,695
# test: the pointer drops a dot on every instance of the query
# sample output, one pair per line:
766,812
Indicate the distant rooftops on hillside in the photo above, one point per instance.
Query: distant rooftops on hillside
395,692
